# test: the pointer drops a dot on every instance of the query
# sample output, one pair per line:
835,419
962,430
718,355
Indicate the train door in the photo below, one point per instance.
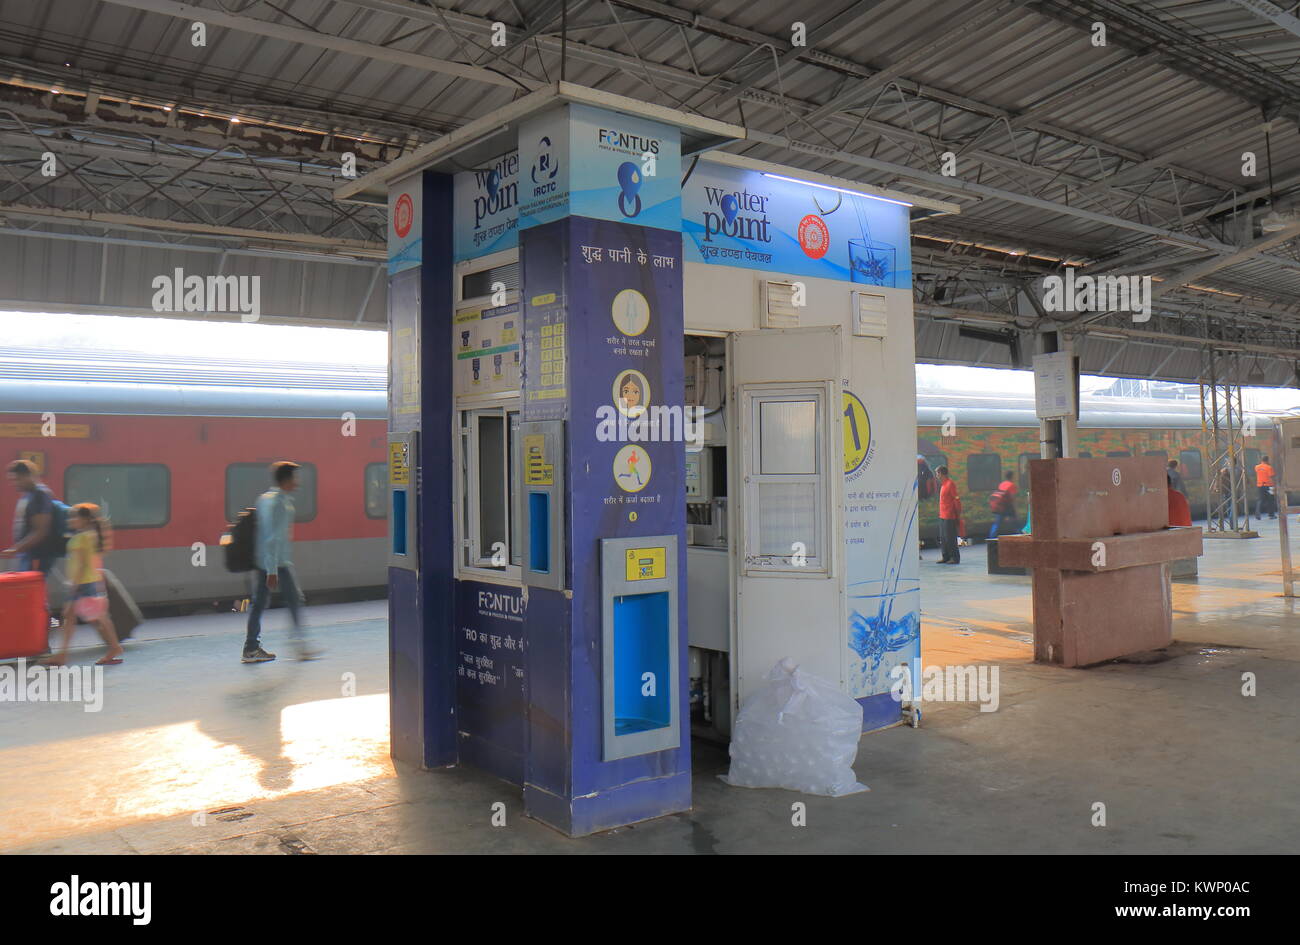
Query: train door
787,443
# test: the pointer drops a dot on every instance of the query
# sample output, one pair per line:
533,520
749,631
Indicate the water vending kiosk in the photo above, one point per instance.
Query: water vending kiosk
653,429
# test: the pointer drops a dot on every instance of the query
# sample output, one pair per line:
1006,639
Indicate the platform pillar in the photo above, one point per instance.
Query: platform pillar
601,270
422,691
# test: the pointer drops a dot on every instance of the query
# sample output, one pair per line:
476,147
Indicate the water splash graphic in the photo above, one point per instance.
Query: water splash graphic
872,637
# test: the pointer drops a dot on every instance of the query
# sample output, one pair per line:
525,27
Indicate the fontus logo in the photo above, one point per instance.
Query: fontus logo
182,293
497,190
739,214
622,141
629,182
1098,294
102,899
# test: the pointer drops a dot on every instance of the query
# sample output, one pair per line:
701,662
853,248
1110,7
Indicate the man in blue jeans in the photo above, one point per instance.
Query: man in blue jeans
274,570
37,535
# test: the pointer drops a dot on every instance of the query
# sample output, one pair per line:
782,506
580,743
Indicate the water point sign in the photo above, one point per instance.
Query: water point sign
487,208
735,217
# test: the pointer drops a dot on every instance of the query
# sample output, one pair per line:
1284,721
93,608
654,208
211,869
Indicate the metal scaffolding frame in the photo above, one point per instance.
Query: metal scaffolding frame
1227,502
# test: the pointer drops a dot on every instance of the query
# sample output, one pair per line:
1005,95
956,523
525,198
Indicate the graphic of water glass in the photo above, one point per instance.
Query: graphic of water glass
871,262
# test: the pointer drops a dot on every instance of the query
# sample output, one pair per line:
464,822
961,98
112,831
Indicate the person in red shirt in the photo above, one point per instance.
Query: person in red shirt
1003,505
1180,513
949,517
1264,482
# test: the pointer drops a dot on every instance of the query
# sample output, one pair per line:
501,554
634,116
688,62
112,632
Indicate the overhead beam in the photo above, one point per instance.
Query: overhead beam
824,33
1201,270
295,34
326,245
1269,11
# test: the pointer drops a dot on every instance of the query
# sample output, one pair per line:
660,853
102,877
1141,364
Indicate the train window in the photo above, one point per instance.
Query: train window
1085,455
135,495
1190,463
935,460
1118,453
246,481
1252,459
376,490
1161,453
983,472
1022,472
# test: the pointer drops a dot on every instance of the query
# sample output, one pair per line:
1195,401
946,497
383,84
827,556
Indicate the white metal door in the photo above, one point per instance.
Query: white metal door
786,501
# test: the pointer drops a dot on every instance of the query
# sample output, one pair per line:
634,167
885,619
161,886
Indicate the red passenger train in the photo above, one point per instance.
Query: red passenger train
173,448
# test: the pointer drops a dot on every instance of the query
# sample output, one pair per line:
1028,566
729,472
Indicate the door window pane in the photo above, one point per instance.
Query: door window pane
787,431
491,483
787,514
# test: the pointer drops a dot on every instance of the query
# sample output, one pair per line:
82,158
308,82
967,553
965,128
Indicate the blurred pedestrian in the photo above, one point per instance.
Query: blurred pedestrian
274,564
1175,477
1180,512
88,596
1002,503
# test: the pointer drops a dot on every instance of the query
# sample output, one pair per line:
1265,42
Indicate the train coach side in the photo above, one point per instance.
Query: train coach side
991,440
169,485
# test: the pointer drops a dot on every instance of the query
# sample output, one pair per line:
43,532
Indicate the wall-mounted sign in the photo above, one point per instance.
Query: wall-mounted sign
735,217
399,464
583,161
646,564
486,208
61,431
405,232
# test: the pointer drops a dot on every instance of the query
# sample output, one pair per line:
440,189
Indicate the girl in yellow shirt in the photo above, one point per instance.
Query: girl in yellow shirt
88,598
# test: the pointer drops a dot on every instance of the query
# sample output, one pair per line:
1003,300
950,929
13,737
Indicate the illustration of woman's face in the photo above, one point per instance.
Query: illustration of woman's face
630,393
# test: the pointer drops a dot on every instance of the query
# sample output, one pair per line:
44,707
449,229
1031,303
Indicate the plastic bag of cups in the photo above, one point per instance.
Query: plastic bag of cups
797,732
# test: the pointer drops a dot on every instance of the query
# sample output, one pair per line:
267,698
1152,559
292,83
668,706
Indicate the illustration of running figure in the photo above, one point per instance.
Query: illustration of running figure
632,473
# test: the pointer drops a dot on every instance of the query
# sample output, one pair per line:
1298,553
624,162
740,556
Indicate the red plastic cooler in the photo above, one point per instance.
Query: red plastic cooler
24,623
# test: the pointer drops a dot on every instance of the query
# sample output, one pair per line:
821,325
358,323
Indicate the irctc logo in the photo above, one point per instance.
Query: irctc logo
543,168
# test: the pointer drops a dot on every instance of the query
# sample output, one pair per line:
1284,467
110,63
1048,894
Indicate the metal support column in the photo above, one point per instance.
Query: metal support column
1227,503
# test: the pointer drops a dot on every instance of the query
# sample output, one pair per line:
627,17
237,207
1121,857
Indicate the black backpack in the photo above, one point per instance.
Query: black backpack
240,542
56,545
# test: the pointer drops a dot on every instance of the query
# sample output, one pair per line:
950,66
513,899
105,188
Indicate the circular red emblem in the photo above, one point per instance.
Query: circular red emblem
403,214
814,236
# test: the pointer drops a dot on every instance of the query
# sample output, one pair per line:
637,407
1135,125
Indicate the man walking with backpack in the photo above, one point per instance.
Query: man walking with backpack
1002,503
40,523
273,566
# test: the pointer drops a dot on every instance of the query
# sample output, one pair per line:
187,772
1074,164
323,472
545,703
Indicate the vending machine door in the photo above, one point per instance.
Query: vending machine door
786,490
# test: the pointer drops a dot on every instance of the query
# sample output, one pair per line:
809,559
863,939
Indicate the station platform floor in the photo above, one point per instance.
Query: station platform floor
194,752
